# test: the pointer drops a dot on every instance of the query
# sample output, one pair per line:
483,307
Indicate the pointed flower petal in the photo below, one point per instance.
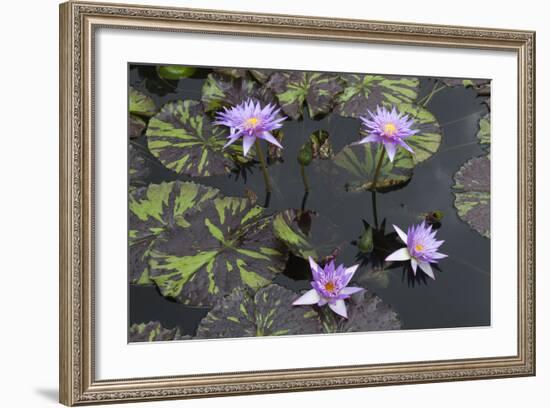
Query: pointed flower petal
399,255
339,307
309,298
426,267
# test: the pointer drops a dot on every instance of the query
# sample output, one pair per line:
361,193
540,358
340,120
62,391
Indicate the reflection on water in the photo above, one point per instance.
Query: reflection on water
460,295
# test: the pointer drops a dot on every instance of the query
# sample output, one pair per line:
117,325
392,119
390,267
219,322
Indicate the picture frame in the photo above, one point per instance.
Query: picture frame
79,297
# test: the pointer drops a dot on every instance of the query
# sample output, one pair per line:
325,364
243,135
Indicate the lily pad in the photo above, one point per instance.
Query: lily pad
362,93
175,72
294,89
154,210
136,126
138,166
467,83
224,244
141,104
182,137
428,138
484,132
472,190
366,312
152,331
359,162
260,75
268,312
306,234
221,91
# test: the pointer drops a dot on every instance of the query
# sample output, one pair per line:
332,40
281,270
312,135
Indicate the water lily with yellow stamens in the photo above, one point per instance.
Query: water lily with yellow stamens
330,286
421,248
389,128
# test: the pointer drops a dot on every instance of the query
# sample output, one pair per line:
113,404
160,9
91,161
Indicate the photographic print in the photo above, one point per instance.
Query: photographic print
282,202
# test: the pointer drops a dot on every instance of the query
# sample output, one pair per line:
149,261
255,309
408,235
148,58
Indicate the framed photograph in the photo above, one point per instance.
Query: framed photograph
258,203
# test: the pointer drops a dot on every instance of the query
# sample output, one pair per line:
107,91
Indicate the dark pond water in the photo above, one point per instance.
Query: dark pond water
459,297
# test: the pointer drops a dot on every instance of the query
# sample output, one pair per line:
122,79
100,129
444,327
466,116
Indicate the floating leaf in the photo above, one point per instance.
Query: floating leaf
141,104
224,244
154,210
359,165
366,312
472,190
428,139
138,168
306,234
182,137
294,89
316,147
221,91
175,72
362,93
268,312
152,331
467,83
136,126
484,132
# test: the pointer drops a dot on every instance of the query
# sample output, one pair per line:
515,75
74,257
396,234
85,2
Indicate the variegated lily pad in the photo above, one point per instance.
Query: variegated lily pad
428,138
221,91
362,93
467,83
154,210
153,331
305,235
484,132
138,166
224,244
260,75
136,126
182,137
358,164
366,312
268,312
141,104
472,190
294,89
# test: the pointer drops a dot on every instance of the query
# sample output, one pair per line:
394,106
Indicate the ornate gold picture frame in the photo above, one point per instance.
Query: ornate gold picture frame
78,25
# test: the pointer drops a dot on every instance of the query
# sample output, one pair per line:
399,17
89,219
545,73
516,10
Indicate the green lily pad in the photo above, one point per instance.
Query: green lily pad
294,89
366,312
154,210
268,312
427,141
306,234
221,91
224,244
141,104
472,191
484,132
362,93
136,126
153,331
175,72
182,137
358,164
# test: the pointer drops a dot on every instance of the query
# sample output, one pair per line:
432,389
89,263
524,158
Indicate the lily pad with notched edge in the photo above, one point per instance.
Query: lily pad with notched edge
472,191
294,89
225,244
484,132
182,137
220,91
154,210
366,312
153,331
306,234
427,140
362,93
358,167
141,104
268,312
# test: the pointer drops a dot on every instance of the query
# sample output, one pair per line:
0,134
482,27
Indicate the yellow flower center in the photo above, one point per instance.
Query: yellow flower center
329,286
251,122
419,247
390,129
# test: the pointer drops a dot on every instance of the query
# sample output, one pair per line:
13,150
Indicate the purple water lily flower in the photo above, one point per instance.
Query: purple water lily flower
251,121
329,287
389,128
421,248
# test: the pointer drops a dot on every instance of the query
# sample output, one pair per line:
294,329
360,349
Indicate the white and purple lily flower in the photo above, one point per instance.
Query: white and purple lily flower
389,128
330,286
421,248
251,121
